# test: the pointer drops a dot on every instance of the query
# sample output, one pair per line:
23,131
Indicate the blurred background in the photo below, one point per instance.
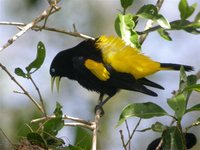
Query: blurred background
94,18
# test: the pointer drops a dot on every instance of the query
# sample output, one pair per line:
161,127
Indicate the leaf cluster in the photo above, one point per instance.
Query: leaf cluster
44,134
35,64
172,135
126,23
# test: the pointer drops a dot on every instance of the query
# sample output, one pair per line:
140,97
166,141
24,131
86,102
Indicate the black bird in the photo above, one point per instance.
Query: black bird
106,65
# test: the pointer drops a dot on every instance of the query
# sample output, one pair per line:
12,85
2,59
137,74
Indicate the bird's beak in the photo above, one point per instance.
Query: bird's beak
57,79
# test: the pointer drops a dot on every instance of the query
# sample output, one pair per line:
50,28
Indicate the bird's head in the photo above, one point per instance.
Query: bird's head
61,66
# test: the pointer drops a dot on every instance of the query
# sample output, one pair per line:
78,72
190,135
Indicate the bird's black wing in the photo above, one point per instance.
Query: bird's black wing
128,82
89,80
150,83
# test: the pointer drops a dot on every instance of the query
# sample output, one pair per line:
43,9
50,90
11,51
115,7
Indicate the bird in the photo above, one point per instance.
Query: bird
106,65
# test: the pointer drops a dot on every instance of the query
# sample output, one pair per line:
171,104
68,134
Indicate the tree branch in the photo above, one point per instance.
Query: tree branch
96,128
64,117
22,88
40,95
39,28
131,136
149,23
78,124
28,26
122,139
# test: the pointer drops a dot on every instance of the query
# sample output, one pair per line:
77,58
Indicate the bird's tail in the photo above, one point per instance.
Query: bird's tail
169,66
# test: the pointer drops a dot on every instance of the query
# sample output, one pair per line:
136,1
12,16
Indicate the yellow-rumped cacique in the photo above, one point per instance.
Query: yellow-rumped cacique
106,65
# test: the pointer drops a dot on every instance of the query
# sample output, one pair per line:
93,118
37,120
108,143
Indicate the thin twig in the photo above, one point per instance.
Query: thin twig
122,139
18,92
129,134
45,20
39,28
78,124
64,117
159,145
22,88
96,128
74,26
40,95
44,14
138,123
149,23
7,137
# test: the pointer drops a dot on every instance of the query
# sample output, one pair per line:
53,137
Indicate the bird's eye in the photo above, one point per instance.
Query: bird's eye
53,70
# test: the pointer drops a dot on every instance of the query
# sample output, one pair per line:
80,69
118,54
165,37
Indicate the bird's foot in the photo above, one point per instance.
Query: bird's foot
100,109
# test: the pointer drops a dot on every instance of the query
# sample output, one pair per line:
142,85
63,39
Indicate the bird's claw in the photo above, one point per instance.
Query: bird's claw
99,108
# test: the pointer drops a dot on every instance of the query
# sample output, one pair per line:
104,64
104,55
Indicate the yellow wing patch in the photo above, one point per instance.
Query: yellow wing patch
97,69
124,58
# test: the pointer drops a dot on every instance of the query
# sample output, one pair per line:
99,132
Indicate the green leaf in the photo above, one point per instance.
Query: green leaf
163,22
183,79
134,38
124,25
190,85
185,82
58,111
142,110
83,138
173,139
151,12
164,34
36,139
54,142
52,126
128,21
193,25
190,27
195,87
197,18
148,11
126,3
179,24
178,104
186,10
194,108
36,64
158,127
20,72
191,80
117,26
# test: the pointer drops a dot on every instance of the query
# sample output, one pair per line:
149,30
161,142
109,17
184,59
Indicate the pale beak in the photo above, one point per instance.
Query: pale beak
57,78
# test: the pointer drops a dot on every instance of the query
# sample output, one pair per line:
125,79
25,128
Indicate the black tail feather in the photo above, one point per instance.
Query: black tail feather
176,66
150,83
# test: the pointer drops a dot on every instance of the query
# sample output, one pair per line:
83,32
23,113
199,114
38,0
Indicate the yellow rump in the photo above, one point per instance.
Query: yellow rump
124,58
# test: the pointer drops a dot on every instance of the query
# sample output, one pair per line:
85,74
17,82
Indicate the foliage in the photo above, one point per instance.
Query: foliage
44,134
35,64
125,25
173,136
